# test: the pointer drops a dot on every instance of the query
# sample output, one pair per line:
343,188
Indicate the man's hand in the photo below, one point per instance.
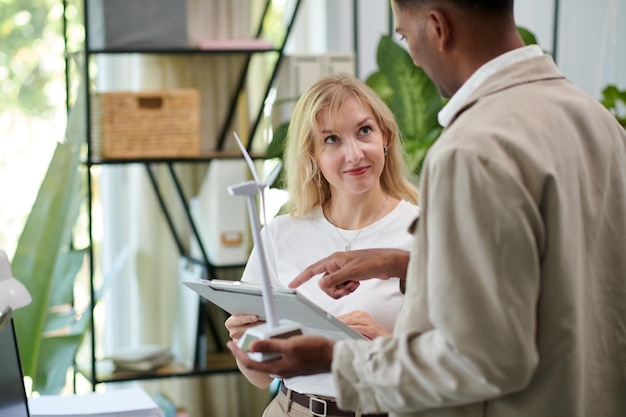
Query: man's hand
343,270
301,355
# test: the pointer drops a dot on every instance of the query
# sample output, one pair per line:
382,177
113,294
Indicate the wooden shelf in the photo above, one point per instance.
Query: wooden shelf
202,157
216,363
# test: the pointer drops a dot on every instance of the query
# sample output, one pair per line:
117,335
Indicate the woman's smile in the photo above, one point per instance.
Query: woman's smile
357,171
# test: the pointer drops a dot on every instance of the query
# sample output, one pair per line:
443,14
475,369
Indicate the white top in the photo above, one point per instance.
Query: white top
292,244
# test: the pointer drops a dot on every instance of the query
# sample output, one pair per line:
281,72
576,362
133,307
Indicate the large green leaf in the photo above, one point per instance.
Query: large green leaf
416,150
58,349
614,100
276,149
43,260
56,353
528,37
67,267
42,240
379,82
66,327
416,100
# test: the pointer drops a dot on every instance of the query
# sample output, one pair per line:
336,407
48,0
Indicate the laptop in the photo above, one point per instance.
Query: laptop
13,401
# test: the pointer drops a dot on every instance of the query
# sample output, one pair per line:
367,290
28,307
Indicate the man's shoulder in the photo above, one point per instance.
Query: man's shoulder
528,73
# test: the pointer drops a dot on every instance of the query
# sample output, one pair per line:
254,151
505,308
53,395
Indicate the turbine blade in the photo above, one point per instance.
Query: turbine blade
272,177
246,156
263,208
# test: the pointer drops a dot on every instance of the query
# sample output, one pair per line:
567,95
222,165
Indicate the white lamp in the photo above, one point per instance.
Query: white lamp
12,292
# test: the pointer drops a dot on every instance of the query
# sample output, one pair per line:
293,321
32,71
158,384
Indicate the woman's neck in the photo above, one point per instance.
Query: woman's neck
359,211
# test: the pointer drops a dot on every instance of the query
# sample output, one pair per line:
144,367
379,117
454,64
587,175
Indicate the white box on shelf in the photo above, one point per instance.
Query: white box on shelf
137,24
338,63
221,219
298,72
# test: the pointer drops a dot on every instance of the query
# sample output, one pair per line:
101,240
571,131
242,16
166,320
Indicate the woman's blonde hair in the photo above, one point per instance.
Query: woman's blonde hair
306,185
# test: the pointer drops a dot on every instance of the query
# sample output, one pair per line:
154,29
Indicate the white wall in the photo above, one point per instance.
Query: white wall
373,22
328,26
591,44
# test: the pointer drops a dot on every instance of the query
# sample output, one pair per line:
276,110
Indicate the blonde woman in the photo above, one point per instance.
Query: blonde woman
347,190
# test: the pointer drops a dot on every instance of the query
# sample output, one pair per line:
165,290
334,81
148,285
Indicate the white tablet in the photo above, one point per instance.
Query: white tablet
237,297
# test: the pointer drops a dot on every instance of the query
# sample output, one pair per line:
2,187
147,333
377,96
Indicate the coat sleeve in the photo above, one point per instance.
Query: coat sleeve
477,258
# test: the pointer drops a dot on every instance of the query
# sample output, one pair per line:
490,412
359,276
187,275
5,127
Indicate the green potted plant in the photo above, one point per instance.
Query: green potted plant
614,100
50,329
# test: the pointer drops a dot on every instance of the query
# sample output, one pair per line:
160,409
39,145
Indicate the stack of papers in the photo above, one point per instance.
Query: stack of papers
131,402
142,358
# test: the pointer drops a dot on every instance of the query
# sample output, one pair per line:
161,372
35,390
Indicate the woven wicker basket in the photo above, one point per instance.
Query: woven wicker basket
151,124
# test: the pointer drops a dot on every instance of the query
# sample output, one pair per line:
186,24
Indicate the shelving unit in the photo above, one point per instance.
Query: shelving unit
218,362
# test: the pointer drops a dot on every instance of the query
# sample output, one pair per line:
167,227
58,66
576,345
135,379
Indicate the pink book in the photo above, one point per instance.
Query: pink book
235,44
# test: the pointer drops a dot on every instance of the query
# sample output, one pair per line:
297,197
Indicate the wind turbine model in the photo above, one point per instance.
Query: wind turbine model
272,327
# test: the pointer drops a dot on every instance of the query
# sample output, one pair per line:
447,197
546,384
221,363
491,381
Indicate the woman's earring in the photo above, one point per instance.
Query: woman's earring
385,150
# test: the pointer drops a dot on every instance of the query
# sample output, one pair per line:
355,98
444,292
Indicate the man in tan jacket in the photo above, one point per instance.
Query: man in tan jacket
516,285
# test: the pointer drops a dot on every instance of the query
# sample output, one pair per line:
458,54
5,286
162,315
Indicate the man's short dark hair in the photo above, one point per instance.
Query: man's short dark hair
483,6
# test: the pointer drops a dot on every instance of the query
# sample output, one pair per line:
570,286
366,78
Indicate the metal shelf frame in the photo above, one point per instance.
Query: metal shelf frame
85,54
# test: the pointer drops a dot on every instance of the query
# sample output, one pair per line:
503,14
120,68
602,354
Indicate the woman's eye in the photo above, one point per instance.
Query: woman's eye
331,139
402,38
365,130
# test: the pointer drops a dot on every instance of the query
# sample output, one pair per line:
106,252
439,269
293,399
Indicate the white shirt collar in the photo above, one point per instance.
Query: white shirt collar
485,71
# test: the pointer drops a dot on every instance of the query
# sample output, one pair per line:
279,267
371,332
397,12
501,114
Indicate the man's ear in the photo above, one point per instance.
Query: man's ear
441,26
